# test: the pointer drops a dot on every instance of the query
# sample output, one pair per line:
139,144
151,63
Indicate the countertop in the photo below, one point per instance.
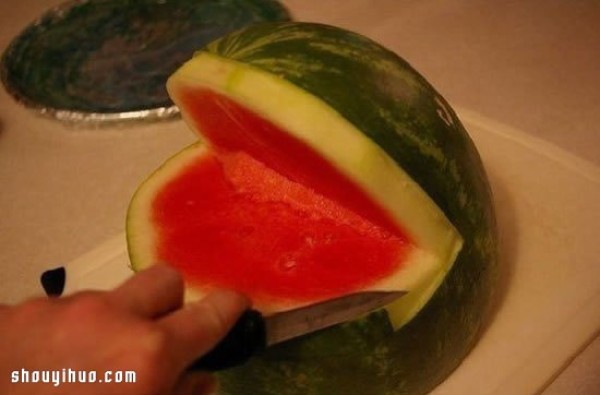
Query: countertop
531,65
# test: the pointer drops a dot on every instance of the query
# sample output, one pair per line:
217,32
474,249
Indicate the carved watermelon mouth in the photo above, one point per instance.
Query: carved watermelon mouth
231,220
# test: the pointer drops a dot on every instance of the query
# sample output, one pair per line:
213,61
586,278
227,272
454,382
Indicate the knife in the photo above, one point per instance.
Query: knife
253,332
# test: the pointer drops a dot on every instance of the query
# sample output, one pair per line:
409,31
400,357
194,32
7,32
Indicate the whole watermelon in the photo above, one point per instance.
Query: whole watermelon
385,99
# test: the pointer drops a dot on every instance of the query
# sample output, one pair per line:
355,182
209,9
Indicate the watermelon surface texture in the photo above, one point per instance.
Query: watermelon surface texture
328,136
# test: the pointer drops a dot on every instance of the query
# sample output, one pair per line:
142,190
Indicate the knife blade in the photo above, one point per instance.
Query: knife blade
253,332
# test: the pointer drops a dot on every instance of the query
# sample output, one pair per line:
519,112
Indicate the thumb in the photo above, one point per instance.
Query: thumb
198,327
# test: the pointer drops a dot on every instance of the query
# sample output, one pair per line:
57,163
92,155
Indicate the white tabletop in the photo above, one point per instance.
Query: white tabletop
532,65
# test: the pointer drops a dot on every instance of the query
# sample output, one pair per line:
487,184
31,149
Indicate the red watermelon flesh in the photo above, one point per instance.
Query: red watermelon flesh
262,213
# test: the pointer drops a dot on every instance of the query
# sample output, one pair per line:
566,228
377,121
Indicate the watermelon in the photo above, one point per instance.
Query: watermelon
329,166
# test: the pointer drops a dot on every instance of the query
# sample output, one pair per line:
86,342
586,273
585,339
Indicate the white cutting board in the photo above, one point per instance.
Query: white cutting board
548,207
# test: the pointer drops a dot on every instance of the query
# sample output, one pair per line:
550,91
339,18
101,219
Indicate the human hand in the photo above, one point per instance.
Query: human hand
141,326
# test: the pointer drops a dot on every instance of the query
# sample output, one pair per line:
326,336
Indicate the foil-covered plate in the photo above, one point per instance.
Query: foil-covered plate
108,60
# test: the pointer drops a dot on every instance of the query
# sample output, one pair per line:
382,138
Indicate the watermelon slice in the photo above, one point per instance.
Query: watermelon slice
329,166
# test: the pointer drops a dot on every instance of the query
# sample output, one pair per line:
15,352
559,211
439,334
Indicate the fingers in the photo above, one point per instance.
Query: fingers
198,327
151,293
191,331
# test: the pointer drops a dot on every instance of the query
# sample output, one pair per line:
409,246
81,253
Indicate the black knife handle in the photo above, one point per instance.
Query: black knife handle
53,281
247,337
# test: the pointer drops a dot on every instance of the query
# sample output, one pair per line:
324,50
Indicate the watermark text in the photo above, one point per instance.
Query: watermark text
62,376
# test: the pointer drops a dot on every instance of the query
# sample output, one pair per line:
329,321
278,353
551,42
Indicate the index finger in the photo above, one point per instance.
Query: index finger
198,327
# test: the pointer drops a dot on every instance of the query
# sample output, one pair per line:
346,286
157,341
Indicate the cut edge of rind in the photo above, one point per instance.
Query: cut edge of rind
140,231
